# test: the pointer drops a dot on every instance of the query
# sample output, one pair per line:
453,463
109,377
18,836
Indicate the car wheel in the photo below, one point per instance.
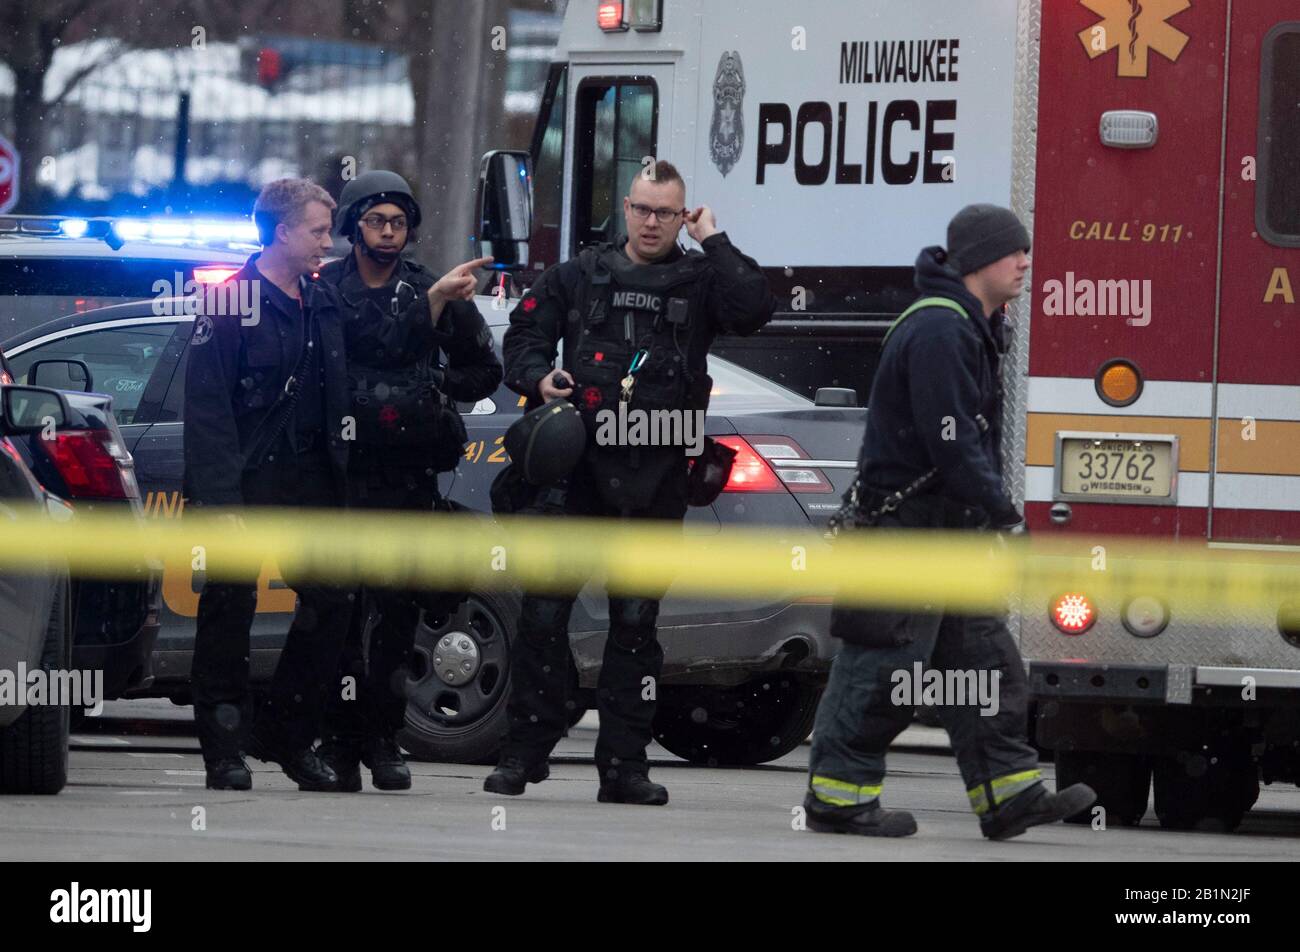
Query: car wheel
1219,786
1122,782
457,692
754,723
34,748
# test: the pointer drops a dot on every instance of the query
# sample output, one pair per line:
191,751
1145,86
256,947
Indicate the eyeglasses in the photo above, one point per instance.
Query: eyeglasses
377,222
665,215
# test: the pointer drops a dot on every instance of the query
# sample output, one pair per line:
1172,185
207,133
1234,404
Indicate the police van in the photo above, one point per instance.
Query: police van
1153,383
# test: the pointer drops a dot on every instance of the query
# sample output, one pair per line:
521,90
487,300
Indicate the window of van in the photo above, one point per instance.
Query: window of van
614,130
1277,209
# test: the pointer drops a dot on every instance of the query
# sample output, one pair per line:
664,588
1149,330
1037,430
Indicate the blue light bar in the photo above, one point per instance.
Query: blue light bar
232,232
210,231
132,229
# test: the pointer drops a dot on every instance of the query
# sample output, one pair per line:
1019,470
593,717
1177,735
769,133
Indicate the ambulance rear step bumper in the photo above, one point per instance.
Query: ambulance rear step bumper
1146,684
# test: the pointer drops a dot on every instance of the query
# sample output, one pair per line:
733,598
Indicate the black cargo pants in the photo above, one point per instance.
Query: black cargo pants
380,664
891,660
291,717
540,705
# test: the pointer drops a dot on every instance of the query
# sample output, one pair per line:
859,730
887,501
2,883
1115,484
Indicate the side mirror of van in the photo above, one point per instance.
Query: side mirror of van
505,208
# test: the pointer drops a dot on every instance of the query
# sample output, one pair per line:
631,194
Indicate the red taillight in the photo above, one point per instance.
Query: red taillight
214,273
750,473
89,462
1073,613
610,15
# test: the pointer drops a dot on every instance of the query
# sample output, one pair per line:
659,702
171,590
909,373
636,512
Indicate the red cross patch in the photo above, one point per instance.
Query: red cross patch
591,397
530,305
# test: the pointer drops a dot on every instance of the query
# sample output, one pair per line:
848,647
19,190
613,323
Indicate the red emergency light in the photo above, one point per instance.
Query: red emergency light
215,273
610,16
644,16
1073,613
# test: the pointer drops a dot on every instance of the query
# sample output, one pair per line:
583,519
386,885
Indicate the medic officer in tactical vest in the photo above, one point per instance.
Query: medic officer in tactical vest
635,319
399,321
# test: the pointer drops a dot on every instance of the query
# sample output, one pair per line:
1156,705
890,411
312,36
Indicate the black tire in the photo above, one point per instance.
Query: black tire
34,748
1219,786
463,724
754,723
1122,782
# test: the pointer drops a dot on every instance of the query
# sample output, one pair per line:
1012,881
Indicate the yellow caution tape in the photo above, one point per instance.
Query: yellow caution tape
960,571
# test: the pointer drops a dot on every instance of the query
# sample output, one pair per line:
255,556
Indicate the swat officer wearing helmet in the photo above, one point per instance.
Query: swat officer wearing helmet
635,319
415,344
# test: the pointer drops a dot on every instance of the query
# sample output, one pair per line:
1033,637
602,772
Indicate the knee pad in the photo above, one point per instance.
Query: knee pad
632,622
543,621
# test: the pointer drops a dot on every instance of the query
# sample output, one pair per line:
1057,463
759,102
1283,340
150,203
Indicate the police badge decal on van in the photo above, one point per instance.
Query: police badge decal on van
727,131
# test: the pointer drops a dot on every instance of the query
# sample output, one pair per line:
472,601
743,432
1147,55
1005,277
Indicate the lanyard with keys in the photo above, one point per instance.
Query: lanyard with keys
629,381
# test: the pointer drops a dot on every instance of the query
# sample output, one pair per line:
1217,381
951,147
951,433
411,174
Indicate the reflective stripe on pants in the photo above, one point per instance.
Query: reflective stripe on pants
1002,789
840,794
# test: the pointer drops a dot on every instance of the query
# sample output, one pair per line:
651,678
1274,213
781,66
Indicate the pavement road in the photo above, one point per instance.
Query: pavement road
136,793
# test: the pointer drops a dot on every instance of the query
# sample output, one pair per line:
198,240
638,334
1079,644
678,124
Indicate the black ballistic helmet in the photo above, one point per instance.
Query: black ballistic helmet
373,188
547,443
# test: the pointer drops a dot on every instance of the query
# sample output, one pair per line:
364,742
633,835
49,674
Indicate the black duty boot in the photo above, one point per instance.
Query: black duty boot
228,773
1033,807
304,767
867,819
388,771
345,760
632,785
512,773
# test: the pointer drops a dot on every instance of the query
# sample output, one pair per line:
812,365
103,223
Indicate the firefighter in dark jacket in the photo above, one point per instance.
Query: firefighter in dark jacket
931,458
635,320
265,398
399,320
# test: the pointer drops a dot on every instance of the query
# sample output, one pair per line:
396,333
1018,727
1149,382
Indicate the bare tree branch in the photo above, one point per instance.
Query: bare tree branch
114,53
67,16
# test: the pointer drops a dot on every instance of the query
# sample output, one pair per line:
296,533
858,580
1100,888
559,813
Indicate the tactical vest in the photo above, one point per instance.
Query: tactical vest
403,408
643,321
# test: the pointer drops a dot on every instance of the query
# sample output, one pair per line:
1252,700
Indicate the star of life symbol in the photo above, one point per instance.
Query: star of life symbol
1136,27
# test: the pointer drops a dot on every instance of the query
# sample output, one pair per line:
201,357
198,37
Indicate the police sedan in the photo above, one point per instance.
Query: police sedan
741,677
